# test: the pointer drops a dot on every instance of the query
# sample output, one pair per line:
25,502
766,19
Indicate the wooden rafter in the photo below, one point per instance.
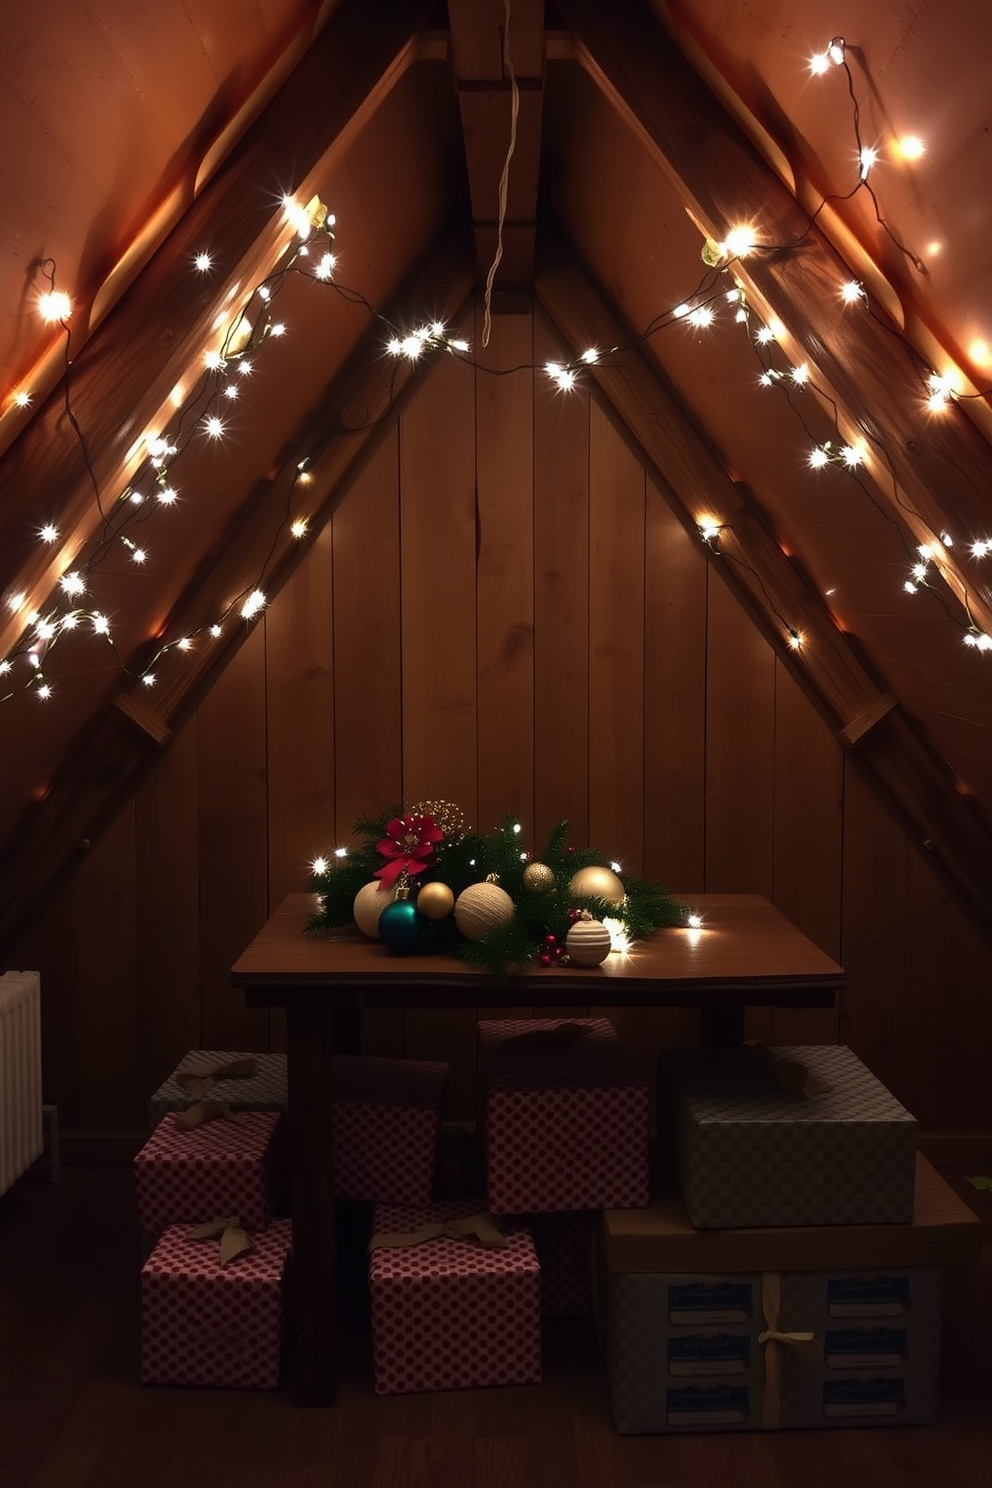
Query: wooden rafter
485,93
941,466
774,588
103,765
160,327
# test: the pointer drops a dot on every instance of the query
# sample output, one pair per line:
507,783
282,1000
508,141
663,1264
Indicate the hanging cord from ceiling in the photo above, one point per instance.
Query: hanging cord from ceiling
505,177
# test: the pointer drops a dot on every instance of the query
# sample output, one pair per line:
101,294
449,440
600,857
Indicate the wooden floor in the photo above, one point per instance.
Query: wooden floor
73,1416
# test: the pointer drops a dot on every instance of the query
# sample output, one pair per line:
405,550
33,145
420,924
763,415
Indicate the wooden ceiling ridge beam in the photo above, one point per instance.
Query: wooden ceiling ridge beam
336,439
932,471
122,380
481,43
773,587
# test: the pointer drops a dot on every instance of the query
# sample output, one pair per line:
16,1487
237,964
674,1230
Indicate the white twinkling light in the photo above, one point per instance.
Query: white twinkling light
319,865
48,533
299,528
213,426
818,458
851,292
101,624
21,398
138,555
252,605
167,495
54,305
73,583
800,374
202,261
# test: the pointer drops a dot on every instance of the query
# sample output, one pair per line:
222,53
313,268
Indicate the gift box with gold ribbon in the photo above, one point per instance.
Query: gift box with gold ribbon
213,1305
209,1160
240,1081
751,1329
565,1116
455,1299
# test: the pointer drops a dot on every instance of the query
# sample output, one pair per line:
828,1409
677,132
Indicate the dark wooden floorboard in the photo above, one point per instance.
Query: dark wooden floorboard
72,1414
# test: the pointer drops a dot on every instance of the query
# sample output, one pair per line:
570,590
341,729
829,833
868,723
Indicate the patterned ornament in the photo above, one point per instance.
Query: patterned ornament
588,943
370,901
435,900
597,883
482,907
538,878
400,926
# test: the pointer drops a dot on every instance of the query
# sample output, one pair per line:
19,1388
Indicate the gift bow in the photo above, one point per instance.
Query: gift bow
541,1038
794,1078
202,1112
234,1238
481,1227
196,1082
773,1338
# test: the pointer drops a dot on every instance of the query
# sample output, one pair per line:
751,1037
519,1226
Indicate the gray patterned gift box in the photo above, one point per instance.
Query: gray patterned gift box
263,1090
753,1150
752,1351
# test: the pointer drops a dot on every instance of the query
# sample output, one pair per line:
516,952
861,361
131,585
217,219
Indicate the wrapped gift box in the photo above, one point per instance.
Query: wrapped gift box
264,1089
750,1151
449,1313
204,1323
566,1117
386,1118
230,1166
564,1244
684,1316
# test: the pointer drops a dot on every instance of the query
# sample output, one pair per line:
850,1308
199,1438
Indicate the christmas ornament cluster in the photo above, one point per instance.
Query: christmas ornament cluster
420,882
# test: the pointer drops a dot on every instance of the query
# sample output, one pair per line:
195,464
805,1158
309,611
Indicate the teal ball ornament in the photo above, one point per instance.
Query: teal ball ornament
401,926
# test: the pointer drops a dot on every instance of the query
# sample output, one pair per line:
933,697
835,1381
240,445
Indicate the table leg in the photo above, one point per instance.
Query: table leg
308,1058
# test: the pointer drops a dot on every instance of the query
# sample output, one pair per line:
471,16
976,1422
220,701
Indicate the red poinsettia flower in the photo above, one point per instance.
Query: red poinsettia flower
408,843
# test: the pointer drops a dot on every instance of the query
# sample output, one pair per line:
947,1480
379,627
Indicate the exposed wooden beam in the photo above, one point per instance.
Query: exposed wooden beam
774,588
104,763
160,327
486,94
942,465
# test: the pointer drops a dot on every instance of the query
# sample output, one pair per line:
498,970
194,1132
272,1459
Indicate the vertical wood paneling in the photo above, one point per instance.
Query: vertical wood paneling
807,824
616,666
48,946
107,1028
740,760
505,586
168,909
232,806
675,583
561,601
438,581
874,944
368,759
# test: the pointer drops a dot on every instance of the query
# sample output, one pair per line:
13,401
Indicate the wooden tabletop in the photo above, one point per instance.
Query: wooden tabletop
746,951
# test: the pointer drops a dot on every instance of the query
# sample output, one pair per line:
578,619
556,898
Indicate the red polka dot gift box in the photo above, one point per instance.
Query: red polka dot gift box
204,1322
387,1113
231,1165
451,1310
240,1081
566,1117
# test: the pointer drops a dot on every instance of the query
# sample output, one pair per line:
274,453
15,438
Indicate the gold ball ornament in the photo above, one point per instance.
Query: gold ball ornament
435,900
538,878
588,943
482,907
597,883
369,903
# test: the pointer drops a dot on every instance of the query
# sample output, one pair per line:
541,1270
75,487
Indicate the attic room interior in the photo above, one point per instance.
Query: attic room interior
473,417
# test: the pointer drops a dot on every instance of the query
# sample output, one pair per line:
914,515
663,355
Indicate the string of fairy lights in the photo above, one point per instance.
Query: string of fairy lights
208,408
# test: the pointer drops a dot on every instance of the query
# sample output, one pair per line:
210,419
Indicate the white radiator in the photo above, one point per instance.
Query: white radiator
21,1138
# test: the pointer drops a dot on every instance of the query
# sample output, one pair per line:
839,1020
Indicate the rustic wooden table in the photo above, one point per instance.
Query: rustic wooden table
745,954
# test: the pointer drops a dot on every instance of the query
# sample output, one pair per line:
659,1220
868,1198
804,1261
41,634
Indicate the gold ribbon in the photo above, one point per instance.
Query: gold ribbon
542,1038
202,1112
481,1227
773,1339
197,1082
234,1238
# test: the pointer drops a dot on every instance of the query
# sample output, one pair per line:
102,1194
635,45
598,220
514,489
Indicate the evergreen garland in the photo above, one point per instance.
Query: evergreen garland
462,860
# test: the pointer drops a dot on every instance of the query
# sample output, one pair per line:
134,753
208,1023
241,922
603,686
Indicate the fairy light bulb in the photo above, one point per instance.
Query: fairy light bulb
590,356
835,51
852,455
694,921
739,242
800,374
213,360
48,533
73,583
819,63
795,640
21,399
299,528
818,458
138,556
252,605
167,495
278,329
149,679
851,292
318,866
868,158
101,624
44,691
54,305
216,630
297,217
202,262
910,147
213,426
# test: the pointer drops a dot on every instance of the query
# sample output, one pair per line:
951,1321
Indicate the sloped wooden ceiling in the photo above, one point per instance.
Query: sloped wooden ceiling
153,144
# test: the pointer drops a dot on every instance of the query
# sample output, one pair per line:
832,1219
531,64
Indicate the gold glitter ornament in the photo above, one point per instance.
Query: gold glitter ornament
435,900
482,907
538,878
446,816
597,883
588,943
369,903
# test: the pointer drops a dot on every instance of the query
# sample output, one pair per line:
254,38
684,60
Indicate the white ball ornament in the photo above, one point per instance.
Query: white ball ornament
369,903
597,883
588,943
482,907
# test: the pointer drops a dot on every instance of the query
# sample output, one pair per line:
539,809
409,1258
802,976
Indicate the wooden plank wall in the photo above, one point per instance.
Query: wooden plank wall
505,613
